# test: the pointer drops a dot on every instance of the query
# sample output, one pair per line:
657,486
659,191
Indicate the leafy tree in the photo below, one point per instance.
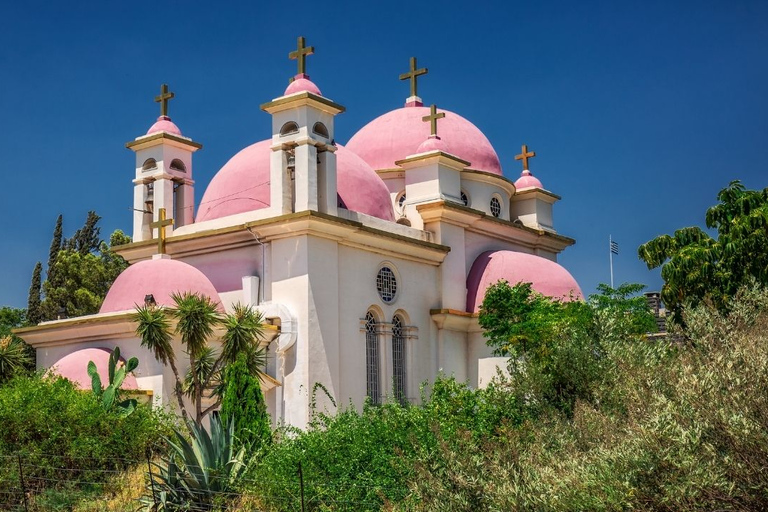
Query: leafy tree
696,266
243,404
80,278
196,318
34,313
628,311
10,318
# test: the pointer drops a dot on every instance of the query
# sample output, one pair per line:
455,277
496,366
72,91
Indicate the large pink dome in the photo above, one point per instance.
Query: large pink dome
74,367
160,278
399,133
242,185
546,276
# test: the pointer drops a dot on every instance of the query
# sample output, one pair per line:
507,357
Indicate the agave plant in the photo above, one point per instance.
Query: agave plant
197,472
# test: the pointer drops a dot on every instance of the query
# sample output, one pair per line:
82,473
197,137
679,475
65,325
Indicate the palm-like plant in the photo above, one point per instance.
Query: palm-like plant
14,357
196,319
198,471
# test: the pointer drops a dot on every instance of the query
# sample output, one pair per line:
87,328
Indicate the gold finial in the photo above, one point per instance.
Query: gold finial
524,156
301,54
160,224
432,118
163,99
413,74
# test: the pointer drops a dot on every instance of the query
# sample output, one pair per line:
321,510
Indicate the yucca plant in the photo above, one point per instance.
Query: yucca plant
198,473
14,357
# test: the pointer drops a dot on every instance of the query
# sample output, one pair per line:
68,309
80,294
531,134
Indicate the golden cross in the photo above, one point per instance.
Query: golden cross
413,74
432,118
163,99
301,54
160,224
524,156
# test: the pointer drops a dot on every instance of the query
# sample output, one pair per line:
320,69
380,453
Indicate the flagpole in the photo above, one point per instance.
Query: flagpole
610,256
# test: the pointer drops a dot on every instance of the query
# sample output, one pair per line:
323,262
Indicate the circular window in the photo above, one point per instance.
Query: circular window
495,206
464,198
401,199
386,284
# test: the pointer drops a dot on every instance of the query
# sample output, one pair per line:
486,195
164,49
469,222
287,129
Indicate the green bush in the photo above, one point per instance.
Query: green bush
65,438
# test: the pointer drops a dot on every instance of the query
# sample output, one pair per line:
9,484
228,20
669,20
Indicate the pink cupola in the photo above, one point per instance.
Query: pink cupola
527,180
546,276
159,278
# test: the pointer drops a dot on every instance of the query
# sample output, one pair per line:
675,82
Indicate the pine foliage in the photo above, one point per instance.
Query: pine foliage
243,404
34,312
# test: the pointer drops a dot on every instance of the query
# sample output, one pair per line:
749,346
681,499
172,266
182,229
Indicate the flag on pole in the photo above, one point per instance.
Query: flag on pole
614,247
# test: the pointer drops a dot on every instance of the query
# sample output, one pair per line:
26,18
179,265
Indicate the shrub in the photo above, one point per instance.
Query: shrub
51,425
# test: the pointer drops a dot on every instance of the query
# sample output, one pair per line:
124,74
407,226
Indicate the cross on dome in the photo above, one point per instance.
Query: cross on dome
160,224
524,156
413,75
165,95
300,55
432,119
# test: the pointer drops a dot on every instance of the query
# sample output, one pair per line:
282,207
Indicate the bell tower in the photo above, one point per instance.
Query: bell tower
303,162
163,178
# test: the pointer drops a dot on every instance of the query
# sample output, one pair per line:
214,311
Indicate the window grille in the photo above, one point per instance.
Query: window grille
495,207
372,358
464,198
401,200
398,359
386,284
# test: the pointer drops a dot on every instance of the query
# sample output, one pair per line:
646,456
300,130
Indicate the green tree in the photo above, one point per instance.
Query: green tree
34,313
696,266
79,279
243,404
10,318
56,243
194,320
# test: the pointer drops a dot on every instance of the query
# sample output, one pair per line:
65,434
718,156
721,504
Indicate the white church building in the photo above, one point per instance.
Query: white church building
368,260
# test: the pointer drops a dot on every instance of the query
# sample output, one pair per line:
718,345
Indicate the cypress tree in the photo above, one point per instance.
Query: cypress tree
34,312
56,244
86,239
244,403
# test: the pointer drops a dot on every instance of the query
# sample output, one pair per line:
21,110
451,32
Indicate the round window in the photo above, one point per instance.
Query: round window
464,198
386,284
495,206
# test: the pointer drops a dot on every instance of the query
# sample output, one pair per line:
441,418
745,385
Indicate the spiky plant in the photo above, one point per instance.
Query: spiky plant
14,357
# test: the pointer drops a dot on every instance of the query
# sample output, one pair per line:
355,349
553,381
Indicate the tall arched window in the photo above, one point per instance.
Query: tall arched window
398,359
372,358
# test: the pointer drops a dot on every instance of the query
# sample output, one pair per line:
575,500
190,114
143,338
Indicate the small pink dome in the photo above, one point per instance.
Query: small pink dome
431,144
74,366
164,124
527,180
399,133
300,84
546,276
161,278
242,185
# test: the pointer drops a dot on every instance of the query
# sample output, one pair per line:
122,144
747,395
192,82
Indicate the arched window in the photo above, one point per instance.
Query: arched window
178,165
320,129
464,198
372,358
149,164
289,128
398,359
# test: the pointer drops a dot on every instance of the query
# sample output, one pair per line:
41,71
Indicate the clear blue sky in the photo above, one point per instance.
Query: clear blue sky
639,111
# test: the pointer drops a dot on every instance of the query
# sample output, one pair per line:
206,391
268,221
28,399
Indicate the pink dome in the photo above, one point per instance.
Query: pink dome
431,144
161,278
300,84
164,124
242,185
527,180
546,276
399,133
74,367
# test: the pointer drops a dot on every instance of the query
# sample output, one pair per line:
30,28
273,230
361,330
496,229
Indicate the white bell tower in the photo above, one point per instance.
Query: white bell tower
303,162
163,174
